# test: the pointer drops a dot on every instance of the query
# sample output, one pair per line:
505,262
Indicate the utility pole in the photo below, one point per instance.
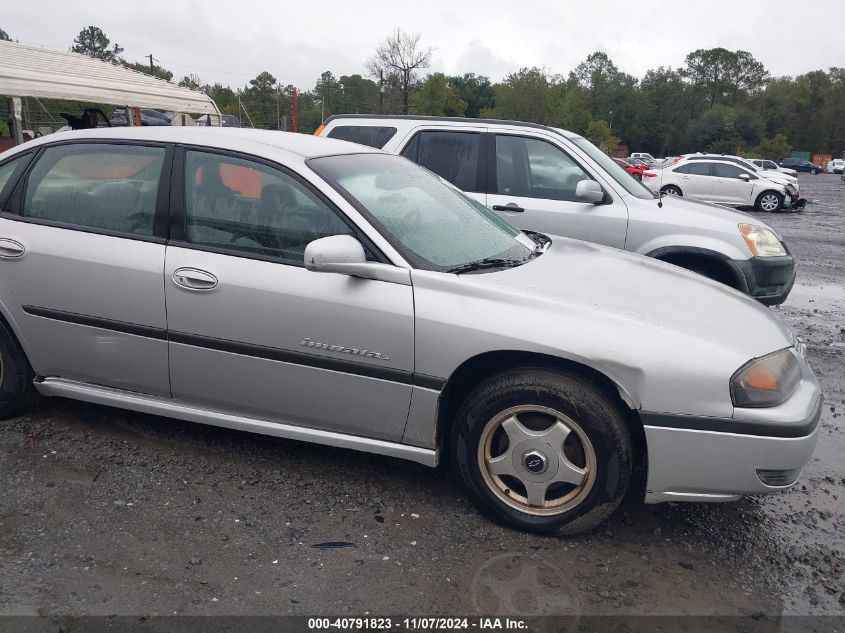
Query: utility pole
381,91
152,67
278,109
293,113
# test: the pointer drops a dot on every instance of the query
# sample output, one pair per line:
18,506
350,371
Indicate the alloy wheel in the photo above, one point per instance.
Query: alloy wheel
769,202
537,460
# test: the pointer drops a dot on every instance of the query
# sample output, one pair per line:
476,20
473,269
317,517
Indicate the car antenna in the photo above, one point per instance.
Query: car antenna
660,191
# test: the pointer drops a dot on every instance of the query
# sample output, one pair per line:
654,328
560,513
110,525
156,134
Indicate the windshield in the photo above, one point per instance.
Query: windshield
621,176
433,225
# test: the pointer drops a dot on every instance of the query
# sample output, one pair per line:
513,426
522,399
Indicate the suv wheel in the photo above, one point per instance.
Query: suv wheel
542,450
17,392
671,190
769,201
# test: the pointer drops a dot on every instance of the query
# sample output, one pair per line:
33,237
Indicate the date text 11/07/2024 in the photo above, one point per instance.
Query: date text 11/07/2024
417,624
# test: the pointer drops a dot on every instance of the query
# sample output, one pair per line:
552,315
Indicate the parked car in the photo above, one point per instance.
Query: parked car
636,171
800,165
775,176
546,179
722,181
148,117
836,166
770,165
643,156
389,313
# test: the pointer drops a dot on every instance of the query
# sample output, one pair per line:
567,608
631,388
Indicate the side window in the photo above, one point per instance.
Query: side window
99,186
535,169
451,155
697,168
371,135
723,170
240,205
7,170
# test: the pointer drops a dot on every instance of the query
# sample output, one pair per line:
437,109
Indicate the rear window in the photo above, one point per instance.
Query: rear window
371,135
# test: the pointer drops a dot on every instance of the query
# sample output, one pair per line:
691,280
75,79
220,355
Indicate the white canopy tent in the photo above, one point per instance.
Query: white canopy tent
28,71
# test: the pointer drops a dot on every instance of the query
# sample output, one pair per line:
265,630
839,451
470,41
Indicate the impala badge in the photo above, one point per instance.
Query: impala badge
307,342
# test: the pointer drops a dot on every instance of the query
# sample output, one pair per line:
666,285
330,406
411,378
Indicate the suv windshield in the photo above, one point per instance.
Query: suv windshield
433,225
621,176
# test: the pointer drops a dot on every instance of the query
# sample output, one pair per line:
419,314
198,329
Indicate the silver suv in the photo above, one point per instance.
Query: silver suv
323,291
546,179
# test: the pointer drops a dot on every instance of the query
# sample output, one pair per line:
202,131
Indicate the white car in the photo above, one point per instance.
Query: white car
722,181
770,165
836,166
777,176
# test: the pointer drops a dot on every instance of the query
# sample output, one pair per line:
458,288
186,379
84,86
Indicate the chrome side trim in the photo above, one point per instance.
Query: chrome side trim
182,411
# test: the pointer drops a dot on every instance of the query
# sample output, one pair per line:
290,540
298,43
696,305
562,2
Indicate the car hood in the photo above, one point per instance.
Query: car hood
575,276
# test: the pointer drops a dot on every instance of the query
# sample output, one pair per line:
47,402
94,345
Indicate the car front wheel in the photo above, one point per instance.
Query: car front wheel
543,451
815,172
671,190
769,201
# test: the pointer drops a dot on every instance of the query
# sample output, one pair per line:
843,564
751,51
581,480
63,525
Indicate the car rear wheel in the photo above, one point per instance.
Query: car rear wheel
543,451
671,190
769,201
17,392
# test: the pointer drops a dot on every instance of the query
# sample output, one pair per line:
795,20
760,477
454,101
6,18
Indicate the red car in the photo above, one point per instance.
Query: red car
637,171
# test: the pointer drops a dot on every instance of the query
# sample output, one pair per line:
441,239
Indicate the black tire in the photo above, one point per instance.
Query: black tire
595,416
815,172
17,393
672,190
766,200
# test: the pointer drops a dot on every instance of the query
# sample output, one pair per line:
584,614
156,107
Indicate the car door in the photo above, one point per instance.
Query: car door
729,187
695,180
83,282
252,331
453,154
531,183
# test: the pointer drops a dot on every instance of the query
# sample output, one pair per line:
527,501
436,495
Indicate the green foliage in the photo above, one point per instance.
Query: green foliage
156,71
93,42
436,97
521,96
723,76
600,135
475,90
773,148
190,81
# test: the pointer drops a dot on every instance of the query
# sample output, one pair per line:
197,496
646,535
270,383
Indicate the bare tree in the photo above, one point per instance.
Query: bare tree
400,55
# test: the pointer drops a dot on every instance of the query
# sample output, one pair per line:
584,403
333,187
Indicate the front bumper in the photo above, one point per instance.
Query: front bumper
767,279
714,459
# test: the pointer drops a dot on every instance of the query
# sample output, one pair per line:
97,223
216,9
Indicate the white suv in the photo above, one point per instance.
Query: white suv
770,165
545,179
722,180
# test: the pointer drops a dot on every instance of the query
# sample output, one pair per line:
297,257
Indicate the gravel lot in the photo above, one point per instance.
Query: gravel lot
110,512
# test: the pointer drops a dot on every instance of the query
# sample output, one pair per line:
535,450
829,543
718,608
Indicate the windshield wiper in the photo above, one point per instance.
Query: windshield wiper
483,264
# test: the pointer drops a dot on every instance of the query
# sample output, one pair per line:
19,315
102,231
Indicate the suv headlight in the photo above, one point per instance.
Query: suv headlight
767,381
762,242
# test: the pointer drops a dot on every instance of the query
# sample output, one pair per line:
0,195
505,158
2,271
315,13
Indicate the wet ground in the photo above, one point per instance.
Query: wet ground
107,512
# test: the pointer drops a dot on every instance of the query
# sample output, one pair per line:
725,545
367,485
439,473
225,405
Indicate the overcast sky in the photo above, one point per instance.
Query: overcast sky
233,41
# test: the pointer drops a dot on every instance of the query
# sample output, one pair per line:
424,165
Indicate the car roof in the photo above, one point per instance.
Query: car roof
232,138
447,120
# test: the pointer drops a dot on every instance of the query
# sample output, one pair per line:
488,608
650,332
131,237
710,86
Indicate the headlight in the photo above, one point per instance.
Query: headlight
762,242
766,381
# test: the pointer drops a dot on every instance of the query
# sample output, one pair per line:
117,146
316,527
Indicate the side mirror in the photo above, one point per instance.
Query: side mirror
589,191
744,177
343,254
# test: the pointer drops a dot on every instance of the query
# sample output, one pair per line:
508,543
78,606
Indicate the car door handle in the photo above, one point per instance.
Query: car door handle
10,249
194,279
510,206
